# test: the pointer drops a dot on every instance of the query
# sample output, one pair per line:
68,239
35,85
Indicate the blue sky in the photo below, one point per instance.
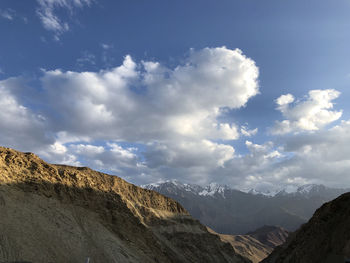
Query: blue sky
134,88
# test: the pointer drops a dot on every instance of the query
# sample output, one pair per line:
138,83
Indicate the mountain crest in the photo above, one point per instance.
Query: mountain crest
46,210
214,189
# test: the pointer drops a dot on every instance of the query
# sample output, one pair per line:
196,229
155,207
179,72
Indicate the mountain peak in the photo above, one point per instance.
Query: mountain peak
173,186
213,189
304,190
309,188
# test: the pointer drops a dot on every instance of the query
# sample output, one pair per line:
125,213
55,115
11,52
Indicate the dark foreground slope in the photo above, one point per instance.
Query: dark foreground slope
325,238
55,213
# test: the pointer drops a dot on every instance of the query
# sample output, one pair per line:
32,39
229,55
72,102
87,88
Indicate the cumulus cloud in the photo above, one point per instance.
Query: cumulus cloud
50,20
19,126
321,157
310,114
252,169
58,153
147,101
201,153
173,112
111,157
146,122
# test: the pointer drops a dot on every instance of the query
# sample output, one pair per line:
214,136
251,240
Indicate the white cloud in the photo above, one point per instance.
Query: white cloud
58,153
173,112
87,149
154,102
284,100
50,20
171,121
321,157
86,58
106,46
113,158
185,154
8,14
248,133
310,114
19,126
166,111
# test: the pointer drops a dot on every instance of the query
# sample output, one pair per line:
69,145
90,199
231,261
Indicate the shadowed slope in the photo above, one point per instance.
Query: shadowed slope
325,238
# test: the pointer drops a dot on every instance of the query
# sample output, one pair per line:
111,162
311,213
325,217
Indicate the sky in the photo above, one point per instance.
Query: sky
252,94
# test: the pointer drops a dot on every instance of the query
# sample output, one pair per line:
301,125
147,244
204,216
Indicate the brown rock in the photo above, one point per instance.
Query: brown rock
57,213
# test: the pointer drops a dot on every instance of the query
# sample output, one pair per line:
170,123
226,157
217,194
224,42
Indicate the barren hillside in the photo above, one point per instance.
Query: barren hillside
56,213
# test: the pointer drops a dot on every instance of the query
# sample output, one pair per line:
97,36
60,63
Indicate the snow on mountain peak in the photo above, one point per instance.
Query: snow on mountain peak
269,193
288,190
173,184
213,188
308,188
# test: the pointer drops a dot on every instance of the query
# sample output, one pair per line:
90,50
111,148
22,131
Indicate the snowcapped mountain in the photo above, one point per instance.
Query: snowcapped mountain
268,193
214,189
304,190
174,187
231,211
310,189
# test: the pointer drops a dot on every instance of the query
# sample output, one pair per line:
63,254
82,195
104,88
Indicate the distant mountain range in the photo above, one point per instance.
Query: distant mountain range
230,211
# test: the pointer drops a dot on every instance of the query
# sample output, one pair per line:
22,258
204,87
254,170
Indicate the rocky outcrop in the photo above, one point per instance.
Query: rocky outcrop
57,213
325,238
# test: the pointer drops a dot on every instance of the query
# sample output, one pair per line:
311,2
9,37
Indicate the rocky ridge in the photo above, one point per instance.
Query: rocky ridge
58,213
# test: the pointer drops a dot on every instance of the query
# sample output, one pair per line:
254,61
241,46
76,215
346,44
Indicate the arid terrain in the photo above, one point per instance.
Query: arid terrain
56,213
